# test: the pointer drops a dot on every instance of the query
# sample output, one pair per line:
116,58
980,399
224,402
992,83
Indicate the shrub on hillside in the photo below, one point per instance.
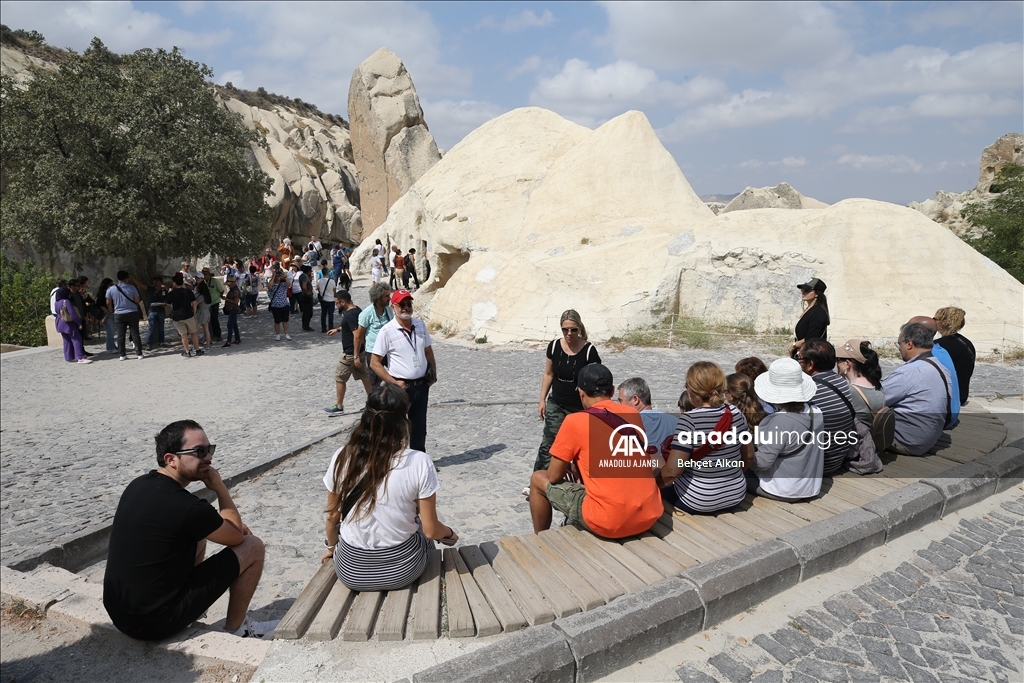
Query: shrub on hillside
1002,221
24,302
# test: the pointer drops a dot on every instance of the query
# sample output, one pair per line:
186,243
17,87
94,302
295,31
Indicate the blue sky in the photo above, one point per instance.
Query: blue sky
891,101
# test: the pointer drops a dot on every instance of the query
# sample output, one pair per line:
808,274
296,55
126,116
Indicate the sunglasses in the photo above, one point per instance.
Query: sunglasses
199,451
405,304
567,330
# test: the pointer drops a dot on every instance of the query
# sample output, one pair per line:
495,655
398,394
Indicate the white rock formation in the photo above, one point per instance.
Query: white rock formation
390,141
532,214
782,196
945,207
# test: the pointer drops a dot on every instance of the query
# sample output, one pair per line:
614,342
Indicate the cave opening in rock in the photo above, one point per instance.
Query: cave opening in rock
446,264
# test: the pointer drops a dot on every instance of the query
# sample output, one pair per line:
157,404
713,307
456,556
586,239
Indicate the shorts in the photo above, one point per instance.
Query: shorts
280,314
567,497
186,326
347,368
250,300
204,585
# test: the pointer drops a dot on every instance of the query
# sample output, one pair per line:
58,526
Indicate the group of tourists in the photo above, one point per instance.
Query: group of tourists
772,431
402,268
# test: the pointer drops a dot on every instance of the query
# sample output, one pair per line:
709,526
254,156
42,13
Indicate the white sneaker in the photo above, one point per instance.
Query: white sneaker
288,337
277,337
256,629
526,491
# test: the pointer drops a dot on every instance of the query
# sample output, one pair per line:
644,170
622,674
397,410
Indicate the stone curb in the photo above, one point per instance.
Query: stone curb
589,645
27,352
89,546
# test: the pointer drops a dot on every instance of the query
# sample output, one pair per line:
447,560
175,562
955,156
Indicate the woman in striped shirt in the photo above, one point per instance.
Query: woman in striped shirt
382,500
705,472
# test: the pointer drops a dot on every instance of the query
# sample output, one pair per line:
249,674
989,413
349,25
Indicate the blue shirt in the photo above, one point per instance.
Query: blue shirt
123,296
373,323
917,396
658,426
940,354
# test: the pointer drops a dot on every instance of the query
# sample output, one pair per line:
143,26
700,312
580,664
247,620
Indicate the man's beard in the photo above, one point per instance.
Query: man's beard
405,316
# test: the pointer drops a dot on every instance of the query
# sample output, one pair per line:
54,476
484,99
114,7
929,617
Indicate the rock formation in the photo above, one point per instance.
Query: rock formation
390,141
944,208
782,196
520,222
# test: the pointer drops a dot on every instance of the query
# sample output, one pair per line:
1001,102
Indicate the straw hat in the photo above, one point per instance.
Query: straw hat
785,382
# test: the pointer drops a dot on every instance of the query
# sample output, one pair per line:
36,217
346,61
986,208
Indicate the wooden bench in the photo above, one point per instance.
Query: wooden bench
515,582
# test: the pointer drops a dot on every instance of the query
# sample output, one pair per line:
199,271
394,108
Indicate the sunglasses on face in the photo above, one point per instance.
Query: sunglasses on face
405,304
573,330
199,451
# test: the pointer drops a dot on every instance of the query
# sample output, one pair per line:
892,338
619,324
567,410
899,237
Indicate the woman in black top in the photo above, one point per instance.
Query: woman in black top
814,322
950,321
566,356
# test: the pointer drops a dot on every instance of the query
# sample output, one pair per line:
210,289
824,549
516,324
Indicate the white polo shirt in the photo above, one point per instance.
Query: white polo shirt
406,352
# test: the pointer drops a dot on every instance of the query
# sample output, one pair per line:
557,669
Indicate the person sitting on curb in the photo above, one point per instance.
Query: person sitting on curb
660,427
940,354
158,580
918,392
614,499
817,357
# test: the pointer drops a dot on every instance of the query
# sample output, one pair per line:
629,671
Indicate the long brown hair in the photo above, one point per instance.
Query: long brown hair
741,388
381,435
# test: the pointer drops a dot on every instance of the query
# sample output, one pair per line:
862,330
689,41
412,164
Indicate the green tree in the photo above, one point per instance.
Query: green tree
129,156
24,302
1002,221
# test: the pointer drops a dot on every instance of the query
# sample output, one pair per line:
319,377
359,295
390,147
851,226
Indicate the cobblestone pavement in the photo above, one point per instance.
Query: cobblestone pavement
953,613
73,436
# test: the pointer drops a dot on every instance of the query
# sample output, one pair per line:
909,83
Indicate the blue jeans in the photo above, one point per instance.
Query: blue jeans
233,326
156,328
108,325
326,316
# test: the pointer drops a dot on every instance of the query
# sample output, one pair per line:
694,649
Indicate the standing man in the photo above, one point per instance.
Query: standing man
305,278
392,253
157,314
181,304
158,580
406,344
325,289
216,296
399,272
410,269
124,299
351,364
371,320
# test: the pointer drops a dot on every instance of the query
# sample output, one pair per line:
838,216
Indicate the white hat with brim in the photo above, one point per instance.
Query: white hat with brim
785,382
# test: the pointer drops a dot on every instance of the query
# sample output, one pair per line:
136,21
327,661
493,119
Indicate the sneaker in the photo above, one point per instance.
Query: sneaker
288,337
199,352
334,410
277,337
139,357
256,629
226,345
124,357
526,491
84,360
186,354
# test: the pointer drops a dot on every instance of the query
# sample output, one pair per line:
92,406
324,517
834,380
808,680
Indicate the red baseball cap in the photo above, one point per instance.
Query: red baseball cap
400,295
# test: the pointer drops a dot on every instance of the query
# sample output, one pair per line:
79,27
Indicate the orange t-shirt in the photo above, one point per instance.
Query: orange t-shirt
615,506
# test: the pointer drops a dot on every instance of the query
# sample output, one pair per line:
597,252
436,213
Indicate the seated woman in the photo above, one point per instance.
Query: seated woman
950,321
740,393
785,468
753,367
381,501
858,363
713,480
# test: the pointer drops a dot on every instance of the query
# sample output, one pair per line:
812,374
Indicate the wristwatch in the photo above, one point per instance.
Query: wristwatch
329,546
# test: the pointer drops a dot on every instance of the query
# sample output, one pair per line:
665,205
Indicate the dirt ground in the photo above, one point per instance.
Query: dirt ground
39,650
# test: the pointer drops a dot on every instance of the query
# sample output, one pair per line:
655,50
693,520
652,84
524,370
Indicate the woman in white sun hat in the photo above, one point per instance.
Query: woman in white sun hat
790,453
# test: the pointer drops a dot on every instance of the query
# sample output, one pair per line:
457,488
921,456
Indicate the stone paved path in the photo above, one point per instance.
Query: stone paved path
953,613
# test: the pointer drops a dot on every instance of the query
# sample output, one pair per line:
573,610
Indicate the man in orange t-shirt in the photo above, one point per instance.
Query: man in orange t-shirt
618,496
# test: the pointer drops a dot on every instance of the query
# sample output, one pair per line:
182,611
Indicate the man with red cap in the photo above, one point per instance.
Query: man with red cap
406,344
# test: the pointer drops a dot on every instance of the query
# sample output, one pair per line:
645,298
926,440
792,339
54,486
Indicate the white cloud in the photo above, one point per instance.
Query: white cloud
527,19
529,65
965,16
937,105
452,120
753,35
787,162
886,163
235,77
190,7
120,25
588,95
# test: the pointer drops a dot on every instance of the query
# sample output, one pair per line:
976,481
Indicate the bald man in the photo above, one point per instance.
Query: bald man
940,354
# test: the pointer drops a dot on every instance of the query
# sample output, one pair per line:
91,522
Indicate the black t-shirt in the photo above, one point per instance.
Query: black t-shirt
153,544
813,324
180,299
157,298
961,352
349,324
566,369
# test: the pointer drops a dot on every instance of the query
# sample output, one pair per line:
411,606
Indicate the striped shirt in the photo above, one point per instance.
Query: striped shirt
721,485
838,417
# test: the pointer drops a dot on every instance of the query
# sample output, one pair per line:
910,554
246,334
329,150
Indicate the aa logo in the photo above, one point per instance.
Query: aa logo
627,441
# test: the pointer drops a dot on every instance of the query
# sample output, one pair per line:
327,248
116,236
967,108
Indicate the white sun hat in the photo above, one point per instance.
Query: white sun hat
785,382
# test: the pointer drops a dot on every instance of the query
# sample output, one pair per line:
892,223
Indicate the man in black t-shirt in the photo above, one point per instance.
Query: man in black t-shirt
181,306
351,363
157,579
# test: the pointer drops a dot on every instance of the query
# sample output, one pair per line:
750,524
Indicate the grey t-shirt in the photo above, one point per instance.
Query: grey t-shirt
791,465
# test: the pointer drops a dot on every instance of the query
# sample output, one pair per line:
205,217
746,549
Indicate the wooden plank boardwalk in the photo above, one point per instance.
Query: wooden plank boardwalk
507,584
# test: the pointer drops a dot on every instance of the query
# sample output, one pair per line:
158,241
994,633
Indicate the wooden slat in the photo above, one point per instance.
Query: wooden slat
603,559
801,510
589,567
305,607
710,545
328,620
563,602
759,530
487,624
779,510
426,614
361,616
709,538
872,488
680,540
831,505
495,592
649,555
674,554
460,615
626,574
394,614
584,591
763,520
840,489
524,592
715,531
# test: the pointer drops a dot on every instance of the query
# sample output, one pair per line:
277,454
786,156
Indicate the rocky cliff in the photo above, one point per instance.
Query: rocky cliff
944,208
